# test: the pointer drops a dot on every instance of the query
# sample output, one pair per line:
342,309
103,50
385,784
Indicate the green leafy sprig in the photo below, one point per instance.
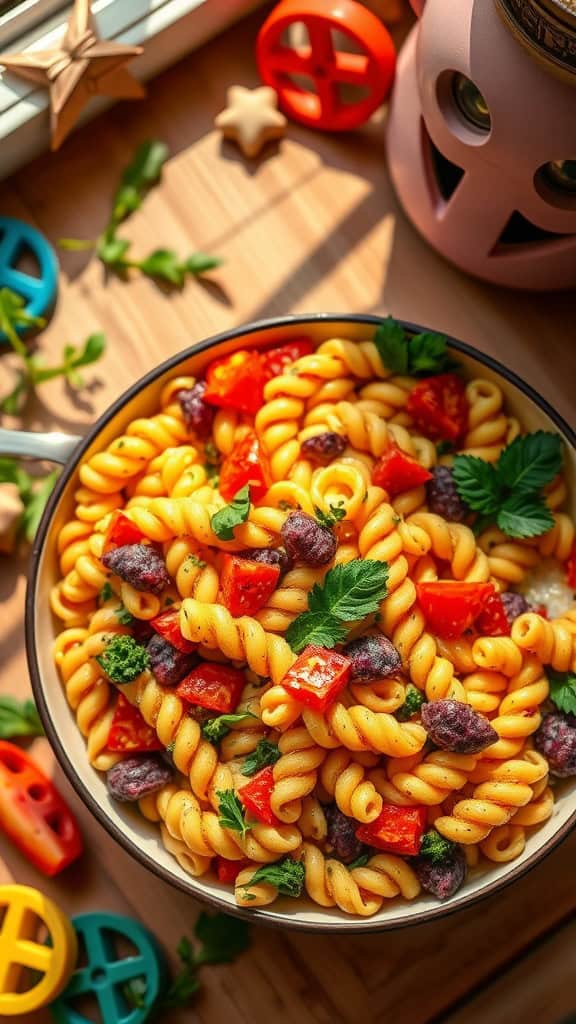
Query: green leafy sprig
287,876
423,355
19,718
436,848
161,264
349,593
215,729
32,372
34,493
123,658
228,518
219,940
413,701
231,813
329,519
266,753
510,492
563,690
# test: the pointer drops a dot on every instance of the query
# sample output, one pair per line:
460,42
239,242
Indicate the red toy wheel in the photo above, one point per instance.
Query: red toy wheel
330,70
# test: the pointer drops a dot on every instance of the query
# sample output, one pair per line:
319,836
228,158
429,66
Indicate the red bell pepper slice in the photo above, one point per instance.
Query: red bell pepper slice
396,829
227,871
236,382
245,465
213,686
317,677
570,568
276,360
493,620
246,585
439,407
33,814
167,625
397,472
129,731
121,531
450,607
256,797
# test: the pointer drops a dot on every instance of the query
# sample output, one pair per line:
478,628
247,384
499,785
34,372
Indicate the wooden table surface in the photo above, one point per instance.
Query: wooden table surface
314,225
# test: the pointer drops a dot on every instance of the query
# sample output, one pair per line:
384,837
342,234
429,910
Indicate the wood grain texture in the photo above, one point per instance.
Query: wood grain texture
314,225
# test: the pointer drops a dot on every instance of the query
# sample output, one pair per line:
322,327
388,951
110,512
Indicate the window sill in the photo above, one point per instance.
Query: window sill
168,29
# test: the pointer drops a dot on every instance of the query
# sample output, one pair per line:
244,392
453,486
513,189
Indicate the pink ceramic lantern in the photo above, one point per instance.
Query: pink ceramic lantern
482,140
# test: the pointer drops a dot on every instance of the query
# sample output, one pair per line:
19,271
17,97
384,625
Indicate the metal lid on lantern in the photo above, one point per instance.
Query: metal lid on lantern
548,29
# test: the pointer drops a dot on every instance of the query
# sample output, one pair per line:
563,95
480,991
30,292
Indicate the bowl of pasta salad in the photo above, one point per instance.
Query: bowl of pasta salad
301,623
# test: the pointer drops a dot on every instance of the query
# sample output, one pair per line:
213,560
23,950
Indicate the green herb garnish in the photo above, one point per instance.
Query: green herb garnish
123,615
231,812
349,593
162,264
286,875
106,593
509,492
19,718
13,320
228,518
216,728
413,701
330,518
123,658
423,355
436,848
34,493
266,753
563,690
360,862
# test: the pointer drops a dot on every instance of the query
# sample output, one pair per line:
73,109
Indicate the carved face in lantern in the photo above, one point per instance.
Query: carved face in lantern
482,148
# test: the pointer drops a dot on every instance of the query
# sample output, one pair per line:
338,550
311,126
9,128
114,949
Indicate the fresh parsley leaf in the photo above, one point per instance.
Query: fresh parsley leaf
330,518
138,178
200,263
360,862
530,462
563,690
134,993
231,812
106,593
112,251
123,658
350,592
266,753
423,355
216,728
228,518
390,340
525,515
477,483
222,938
34,507
286,875
19,718
123,615
413,701
164,264
436,848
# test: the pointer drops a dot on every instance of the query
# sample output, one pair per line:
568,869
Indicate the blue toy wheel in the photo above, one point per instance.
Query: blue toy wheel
39,293
105,974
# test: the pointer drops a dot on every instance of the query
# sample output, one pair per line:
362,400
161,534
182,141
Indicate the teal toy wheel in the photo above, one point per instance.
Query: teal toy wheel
38,292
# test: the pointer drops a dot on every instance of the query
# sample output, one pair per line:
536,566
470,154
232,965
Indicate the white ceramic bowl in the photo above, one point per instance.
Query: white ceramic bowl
140,838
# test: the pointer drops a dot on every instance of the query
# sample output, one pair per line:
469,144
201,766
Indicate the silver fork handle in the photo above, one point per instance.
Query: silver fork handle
54,447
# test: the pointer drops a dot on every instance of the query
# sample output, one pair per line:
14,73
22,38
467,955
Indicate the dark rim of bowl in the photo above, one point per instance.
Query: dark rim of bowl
278,919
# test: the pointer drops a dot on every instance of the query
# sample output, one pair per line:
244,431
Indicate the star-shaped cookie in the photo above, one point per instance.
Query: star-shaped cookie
81,66
251,118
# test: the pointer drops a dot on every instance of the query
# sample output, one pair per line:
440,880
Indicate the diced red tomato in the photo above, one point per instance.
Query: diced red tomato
396,830
246,585
493,620
256,796
397,472
121,531
33,814
213,686
236,382
450,608
317,677
246,464
570,567
129,731
167,625
439,407
276,360
228,870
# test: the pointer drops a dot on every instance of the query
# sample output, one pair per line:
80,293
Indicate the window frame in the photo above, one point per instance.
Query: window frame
168,30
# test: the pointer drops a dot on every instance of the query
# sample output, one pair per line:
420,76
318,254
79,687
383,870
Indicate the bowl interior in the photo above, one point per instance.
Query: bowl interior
126,825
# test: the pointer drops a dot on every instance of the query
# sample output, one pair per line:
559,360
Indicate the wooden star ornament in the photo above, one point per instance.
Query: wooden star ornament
251,118
82,66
